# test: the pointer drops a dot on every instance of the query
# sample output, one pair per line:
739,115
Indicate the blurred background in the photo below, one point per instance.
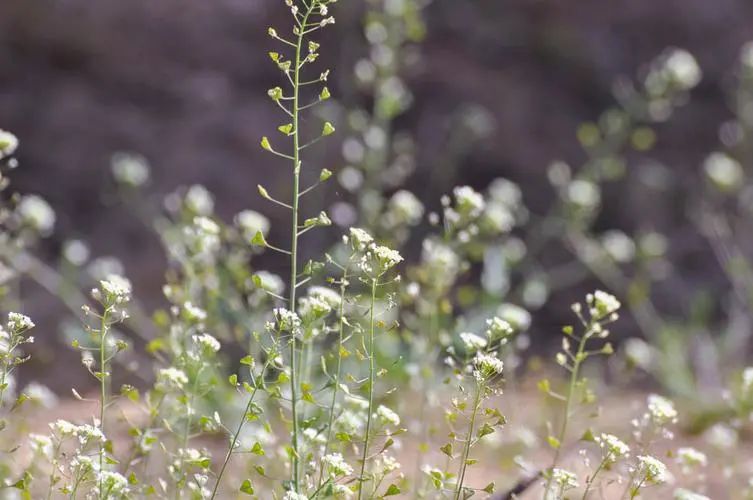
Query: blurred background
484,89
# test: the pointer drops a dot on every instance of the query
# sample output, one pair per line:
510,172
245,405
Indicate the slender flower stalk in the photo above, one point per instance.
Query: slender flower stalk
468,440
372,380
103,386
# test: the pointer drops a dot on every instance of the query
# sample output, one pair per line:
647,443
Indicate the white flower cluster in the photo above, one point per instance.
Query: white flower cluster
199,200
115,289
683,494
250,223
497,328
602,305
690,459
404,208
336,465
130,169
487,366
612,447
171,379
653,470
193,313
8,143
286,321
376,259
472,342
18,322
36,213
387,416
673,69
724,172
564,479
207,342
468,202
661,410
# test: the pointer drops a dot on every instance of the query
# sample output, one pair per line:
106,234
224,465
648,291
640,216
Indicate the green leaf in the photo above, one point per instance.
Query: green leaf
257,449
447,449
247,360
233,379
392,489
265,143
489,488
324,94
262,191
247,487
286,129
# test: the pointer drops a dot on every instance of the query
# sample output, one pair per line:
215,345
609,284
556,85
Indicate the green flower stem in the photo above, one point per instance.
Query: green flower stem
338,369
103,328
372,380
294,244
468,440
577,361
592,479
237,433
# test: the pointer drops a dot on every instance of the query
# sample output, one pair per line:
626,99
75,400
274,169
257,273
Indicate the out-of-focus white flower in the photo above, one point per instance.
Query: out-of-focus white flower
682,68
721,436
116,289
35,212
653,469
404,208
618,245
171,378
661,410
583,194
468,201
130,169
207,342
8,143
565,480
472,342
41,394
250,223
76,252
602,304
612,447
336,465
387,416
683,494
194,313
725,173
18,322
360,239
199,200
690,458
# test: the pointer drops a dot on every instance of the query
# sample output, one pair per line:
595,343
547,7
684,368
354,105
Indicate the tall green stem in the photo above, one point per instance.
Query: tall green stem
568,407
372,380
103,327
338,369
294,247
237,433
468,442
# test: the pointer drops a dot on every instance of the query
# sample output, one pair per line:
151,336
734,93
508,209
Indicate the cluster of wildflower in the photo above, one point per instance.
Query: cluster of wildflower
12,337
612,448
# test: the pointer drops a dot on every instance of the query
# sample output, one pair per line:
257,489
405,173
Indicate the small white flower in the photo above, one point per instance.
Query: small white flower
472,342
724,172
683,494
199,200
207,342
8,143
171,378
250,223
337,465
497,328
488,365
468,201
612,447
194,313
130,169
566,480
292,495
404,208
37,213
682,68
653,469
360,239
287,321
583,194
18,322
690,458
116,289
387,416
602,304
661,410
